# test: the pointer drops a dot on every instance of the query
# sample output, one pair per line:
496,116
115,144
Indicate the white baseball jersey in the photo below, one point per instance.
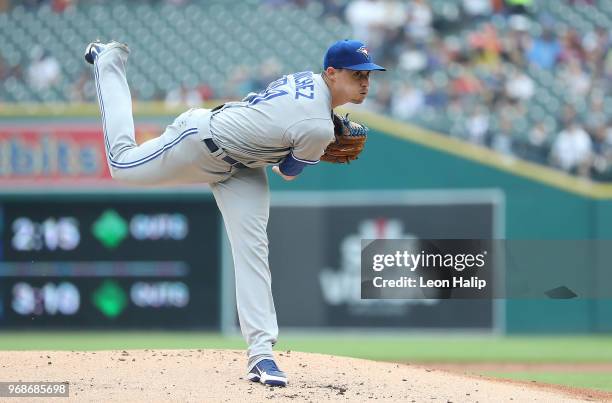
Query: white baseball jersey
290,120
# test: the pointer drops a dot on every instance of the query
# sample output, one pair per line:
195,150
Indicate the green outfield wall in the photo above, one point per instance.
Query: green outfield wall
534,210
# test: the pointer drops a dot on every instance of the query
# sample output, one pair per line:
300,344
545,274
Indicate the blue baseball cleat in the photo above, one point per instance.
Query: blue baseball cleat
94,49
266,372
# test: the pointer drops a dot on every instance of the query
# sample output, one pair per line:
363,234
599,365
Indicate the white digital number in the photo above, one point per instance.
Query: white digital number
52,234
24,300
51,299
26,235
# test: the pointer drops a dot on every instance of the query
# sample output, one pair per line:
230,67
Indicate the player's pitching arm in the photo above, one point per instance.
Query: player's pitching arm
309,139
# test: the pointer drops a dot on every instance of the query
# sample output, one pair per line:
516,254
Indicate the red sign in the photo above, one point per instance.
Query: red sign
62,154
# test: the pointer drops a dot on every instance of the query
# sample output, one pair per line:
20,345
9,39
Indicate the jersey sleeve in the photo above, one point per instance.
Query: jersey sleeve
308,140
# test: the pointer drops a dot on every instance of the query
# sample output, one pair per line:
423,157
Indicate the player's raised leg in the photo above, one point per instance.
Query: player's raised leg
244,201
177,156
113,93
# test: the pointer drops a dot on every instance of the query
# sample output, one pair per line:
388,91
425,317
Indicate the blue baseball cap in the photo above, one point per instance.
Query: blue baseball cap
351,55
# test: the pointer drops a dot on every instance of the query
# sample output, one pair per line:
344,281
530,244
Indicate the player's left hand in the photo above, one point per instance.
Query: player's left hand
276,170
350,140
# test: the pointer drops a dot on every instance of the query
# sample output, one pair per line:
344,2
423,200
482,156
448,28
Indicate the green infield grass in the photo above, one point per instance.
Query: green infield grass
532,349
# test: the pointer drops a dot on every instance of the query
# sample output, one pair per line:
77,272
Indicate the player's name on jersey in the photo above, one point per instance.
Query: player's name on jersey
304,85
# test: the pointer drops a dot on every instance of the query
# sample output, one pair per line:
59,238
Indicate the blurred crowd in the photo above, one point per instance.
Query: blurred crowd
483,71
56,5
475,76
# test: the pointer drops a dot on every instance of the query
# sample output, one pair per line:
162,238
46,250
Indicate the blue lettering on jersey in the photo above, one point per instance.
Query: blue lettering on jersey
271,92
304,85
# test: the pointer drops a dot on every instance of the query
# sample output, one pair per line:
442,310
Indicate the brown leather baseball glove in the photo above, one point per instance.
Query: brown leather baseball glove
350,140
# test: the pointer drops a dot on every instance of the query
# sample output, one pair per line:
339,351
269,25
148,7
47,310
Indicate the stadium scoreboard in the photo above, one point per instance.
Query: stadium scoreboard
119,260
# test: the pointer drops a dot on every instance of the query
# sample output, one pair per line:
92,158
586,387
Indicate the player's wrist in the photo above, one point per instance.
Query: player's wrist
278,171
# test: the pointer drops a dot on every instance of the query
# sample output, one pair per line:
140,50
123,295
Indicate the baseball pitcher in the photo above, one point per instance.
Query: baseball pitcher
290,125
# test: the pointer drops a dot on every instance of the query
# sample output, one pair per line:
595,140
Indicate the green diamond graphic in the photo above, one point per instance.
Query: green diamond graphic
110,299
110,229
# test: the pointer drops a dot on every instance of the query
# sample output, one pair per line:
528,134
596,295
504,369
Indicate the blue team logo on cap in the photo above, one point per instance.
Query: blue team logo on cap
364,51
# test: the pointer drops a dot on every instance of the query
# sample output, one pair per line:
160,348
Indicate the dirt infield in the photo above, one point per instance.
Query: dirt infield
219,375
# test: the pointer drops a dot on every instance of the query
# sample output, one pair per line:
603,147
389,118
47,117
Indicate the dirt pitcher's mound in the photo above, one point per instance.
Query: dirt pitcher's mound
219,376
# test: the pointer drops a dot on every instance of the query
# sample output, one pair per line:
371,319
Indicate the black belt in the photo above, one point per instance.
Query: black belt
214,148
